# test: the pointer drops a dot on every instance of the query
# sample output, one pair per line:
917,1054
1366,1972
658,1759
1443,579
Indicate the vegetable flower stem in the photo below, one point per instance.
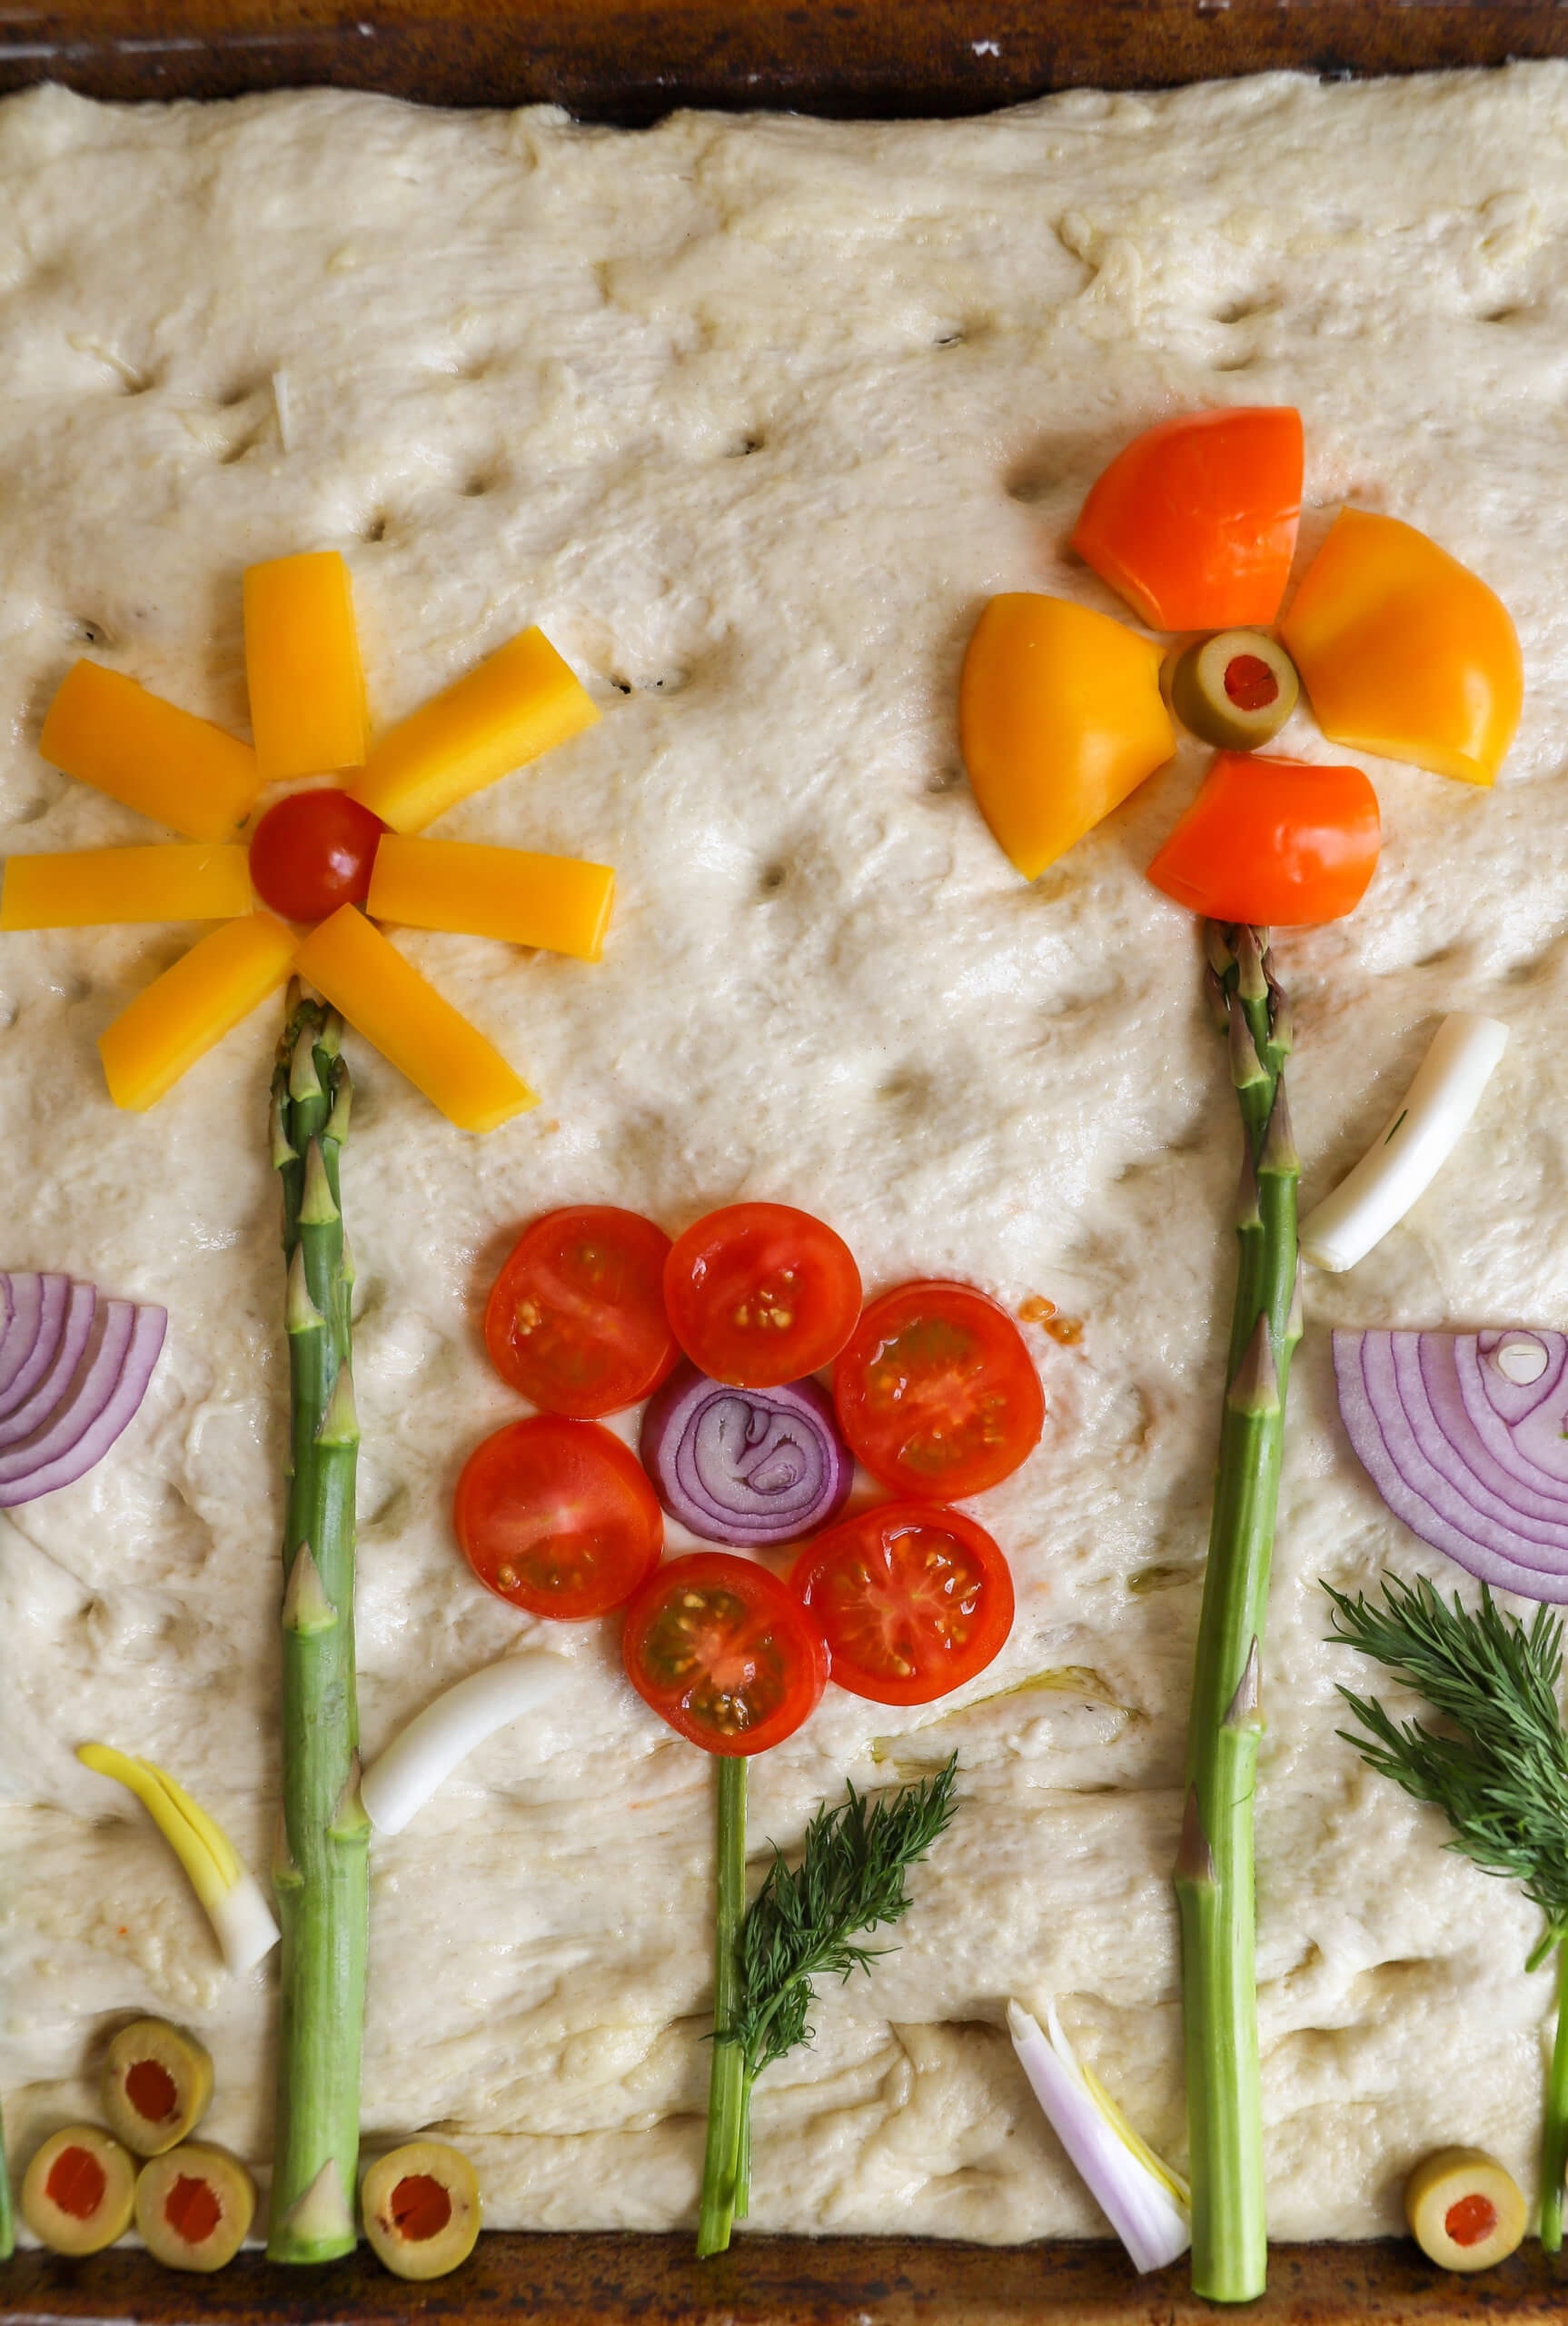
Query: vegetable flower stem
1555,2134
726,2166
1214,1869
321,1873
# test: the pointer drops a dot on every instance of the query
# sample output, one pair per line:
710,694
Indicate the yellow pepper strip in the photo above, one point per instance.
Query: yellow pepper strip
233,1902
1405,651
1060,716
522,702
362,974
556,903
180,770
85,888
194,1005
303,665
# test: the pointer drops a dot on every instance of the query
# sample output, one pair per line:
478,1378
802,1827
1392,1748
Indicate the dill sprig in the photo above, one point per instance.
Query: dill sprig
805,1922
1499,1778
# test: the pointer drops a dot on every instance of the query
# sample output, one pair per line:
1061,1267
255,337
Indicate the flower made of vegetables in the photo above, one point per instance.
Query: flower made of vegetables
329,863
1400,650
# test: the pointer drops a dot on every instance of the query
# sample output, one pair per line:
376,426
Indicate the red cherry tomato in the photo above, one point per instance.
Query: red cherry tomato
913,1600
557,1517
576,1319
1194,521
724,1652
759,1294
1273,841
314,852
936,1393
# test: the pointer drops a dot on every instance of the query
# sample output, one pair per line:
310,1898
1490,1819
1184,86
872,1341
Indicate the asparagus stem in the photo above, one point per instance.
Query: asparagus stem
727,2161
320,1873
1214,1870
1555,2133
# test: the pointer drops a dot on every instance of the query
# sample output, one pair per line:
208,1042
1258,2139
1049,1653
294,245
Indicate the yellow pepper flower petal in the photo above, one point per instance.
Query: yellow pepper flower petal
1404,652
519,702
194,1005
88,888
556,903
1060,716
365,977
182,770
302,666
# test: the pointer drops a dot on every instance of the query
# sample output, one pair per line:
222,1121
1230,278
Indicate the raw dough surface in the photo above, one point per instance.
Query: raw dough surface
752,416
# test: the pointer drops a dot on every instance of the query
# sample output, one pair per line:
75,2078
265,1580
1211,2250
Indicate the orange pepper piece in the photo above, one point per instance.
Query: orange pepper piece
1195,522
1060,716
182,1014
303,665
1274,842
556,902
1405,651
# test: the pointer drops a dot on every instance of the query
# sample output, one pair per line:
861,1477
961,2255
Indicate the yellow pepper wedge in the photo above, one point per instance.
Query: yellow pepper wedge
88,888
193,1006
362,974
556,903
519,702
182,770
302,666
1060,716
1404,652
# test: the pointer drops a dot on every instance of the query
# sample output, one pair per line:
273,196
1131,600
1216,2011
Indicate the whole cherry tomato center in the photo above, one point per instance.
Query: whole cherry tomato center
314,852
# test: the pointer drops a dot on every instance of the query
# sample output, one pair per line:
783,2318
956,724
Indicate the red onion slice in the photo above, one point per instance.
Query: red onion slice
24,1295
1396,1425
745,1466
23,1418
51,1297
103,1394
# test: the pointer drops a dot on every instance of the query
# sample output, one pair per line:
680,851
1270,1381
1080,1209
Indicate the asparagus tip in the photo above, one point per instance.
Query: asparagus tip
1251,945
284,1149
1217,999
304,1082
1247,1214
1194,1859
1247,1704
342,1102
307,1607
329,1039
286,1874
1220,957
1255,1388
321,2214
349,1819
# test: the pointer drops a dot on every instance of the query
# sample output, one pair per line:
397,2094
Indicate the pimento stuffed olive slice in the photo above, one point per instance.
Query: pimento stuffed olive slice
725,1653
558,1518
422,2209
1465,2211
1236,690
194,2206
936,1393
156,2085
79,2191
760,1294
913,1600
576,1320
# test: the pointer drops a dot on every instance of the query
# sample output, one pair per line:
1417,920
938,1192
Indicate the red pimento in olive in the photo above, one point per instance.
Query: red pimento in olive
1235,691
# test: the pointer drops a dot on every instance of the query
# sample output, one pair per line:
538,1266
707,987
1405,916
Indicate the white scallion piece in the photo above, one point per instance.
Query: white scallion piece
432,1744
280,398
1412,1146
1144,2202
239,1913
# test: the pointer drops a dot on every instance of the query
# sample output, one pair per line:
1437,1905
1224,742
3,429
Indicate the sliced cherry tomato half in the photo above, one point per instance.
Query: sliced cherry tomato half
576,1319
314,852
913,1600
1273,841
759,1294
557,1517
1194,521
936,1393
724,1652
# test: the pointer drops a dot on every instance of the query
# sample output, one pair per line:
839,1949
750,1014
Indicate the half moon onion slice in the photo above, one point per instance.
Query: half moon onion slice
74,1370
1465,1437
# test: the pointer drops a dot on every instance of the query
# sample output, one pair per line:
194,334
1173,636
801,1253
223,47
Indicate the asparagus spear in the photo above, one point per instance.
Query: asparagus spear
320,1871
1214,1869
